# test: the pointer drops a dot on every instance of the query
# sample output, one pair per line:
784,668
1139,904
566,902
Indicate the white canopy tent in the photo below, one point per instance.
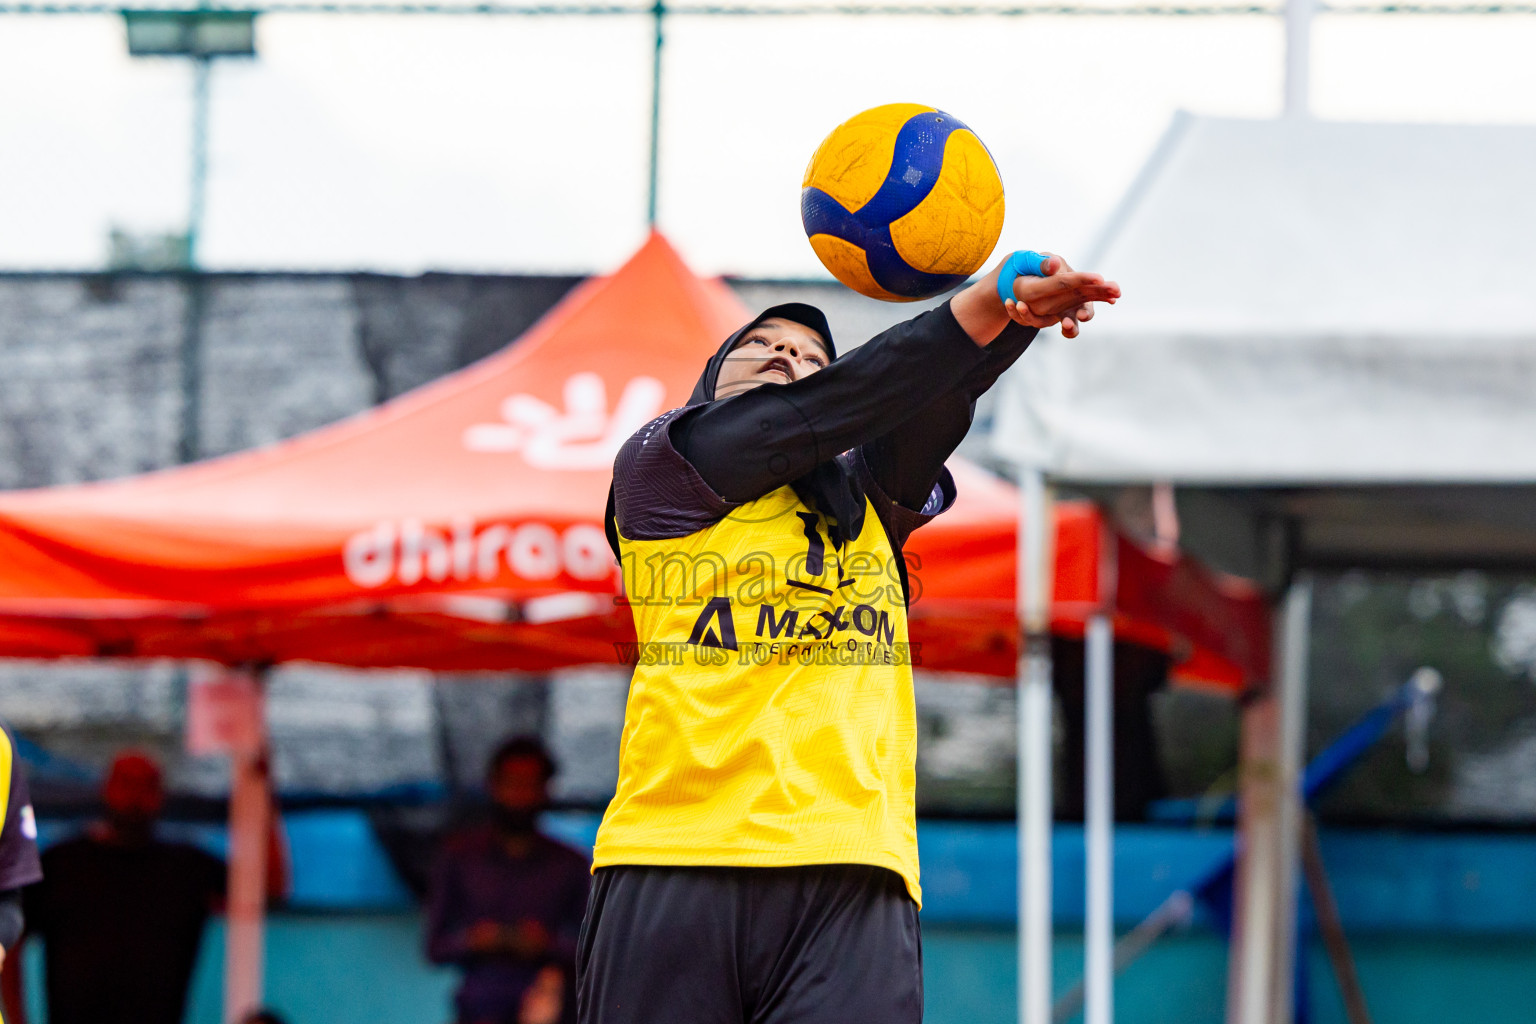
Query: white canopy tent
1328,334
1306,302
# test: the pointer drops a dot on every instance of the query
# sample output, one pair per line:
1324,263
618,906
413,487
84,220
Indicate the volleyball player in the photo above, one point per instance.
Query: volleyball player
758,862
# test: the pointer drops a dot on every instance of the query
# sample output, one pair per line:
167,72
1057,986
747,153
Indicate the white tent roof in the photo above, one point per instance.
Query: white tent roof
1306,303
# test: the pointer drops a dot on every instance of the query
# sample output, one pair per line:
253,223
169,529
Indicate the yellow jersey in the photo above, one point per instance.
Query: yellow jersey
770,719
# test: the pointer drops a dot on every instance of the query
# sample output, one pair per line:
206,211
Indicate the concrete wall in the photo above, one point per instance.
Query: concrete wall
90,365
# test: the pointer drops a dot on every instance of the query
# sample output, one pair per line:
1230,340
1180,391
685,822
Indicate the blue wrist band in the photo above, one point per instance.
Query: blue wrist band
1025,261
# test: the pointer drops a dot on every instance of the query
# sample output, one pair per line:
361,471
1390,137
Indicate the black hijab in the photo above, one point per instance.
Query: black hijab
831,487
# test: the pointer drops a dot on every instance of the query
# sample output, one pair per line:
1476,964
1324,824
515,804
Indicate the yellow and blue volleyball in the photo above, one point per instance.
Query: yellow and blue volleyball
902,202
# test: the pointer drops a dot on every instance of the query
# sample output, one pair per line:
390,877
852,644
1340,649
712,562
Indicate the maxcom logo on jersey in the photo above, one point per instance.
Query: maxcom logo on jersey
788,638
409,551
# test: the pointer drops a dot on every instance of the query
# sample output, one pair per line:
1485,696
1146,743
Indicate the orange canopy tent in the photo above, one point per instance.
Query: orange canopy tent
459,527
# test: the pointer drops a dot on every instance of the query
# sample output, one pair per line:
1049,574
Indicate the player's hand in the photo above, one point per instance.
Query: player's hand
1063,296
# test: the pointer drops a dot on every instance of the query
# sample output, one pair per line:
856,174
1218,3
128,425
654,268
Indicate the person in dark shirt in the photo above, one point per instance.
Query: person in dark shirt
505,903
123,912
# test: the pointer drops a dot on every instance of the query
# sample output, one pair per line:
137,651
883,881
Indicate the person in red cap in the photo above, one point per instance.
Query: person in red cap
123,910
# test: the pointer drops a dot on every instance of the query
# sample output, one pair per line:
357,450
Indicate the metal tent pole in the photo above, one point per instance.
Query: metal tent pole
250,810
1248,967
1035,578
1260,975
1099,937
1296,641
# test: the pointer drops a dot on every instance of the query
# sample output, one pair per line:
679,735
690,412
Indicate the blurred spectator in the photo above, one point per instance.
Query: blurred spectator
506,902
123,911
18,862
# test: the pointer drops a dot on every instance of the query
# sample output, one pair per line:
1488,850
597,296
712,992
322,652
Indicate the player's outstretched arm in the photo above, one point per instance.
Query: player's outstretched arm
767,437
757,441
1060,296
907,461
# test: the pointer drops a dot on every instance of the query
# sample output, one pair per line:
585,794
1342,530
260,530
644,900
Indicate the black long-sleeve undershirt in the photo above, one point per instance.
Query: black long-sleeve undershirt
907,396
906,461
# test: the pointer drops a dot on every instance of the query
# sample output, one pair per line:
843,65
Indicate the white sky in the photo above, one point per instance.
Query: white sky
510,144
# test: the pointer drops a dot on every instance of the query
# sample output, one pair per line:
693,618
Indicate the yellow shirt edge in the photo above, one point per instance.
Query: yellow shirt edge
663,858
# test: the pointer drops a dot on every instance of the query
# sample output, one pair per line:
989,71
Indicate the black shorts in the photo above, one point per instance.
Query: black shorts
826,944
